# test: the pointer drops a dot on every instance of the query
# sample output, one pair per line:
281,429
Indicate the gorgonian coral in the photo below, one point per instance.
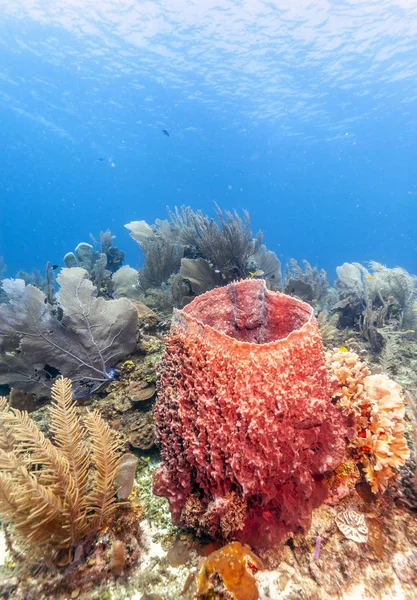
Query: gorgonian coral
83,337
54,495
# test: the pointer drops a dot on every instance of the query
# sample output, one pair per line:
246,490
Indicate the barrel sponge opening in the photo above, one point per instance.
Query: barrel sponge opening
249,312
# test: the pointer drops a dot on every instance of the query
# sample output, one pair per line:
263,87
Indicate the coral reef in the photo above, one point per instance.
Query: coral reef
100,261
201,275
114,256
65,529
207,253
35,278
328,325
371,301
94,262
268,264
227,244
310,284
253,434
128,405
244,413
126,284
162,254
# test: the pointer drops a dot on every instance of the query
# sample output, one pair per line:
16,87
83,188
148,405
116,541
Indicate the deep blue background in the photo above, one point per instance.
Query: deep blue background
326,198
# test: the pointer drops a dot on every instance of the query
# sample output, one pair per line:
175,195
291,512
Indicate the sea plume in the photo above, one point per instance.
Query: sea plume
54,495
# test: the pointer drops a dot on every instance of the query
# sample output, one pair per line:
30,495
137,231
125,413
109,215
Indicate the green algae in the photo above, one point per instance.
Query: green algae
155,509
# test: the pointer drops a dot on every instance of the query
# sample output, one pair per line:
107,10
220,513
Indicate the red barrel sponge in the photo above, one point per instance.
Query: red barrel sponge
244,415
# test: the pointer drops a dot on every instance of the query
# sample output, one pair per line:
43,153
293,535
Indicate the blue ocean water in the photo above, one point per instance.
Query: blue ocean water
304,113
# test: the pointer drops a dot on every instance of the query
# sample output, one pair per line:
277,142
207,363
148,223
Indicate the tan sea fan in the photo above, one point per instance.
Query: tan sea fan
53,495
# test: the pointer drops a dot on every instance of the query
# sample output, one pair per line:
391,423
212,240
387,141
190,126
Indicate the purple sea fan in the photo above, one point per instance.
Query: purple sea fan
36,344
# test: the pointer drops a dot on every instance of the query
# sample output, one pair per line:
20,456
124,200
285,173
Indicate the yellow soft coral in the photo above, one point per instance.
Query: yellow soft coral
378,404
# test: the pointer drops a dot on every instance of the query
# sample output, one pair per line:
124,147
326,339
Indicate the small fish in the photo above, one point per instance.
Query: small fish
165,132
54,267
101,159
411,330
343,349
370,277
257,273
414,310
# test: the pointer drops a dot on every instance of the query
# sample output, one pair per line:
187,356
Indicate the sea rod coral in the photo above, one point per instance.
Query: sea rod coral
244,415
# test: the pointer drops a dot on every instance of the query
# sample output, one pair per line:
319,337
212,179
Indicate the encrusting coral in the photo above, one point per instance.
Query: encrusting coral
54,495
244,415
378,405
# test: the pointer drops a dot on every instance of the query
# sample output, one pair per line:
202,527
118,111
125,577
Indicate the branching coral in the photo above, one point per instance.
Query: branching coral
162,259
162,252
211,252
54,495
227,244
378,405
